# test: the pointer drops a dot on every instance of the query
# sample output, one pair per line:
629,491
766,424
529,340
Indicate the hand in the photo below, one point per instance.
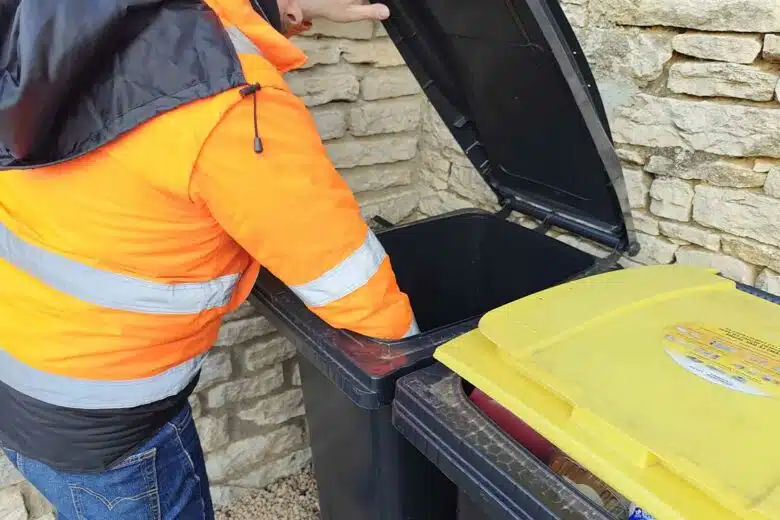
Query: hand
343,11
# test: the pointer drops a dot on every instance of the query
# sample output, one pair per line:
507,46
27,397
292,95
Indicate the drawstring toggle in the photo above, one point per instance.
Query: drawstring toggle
254,89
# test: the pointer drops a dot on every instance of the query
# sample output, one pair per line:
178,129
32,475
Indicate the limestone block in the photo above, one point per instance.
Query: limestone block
388,83
225,496
728,266
576,14
752,252
217,368
638,186
363,30
690,166
733,130
273,471
672,198
244,389
386,117
723,173
442,202
765,165
242,330
321,85
752,16
265,353
772,185
8,474
394,204
739,212
772,47
645,222
642,54
712,79
12,505
295,378
275,409
378,177
197,407
325,51
373,150
379,53
331,122
769,281
247,454
691,233
213,432
631,155
655,250
734,48
466,182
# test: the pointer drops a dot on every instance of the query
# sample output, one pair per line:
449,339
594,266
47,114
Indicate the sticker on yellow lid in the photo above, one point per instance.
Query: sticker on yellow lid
726,357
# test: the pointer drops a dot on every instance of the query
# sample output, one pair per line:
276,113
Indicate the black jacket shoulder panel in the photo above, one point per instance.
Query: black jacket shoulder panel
75,75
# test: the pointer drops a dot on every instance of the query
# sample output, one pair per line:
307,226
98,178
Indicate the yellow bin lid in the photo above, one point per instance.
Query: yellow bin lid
662,381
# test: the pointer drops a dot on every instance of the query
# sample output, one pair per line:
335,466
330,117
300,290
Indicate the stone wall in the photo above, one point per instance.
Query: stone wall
368,108
691,91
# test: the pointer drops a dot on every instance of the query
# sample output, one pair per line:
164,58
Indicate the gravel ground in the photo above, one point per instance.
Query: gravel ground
294,498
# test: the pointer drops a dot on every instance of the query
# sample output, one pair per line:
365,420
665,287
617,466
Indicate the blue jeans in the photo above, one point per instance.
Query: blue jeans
164,479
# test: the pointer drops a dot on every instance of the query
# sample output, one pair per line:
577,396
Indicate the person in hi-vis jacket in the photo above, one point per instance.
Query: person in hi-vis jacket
153,159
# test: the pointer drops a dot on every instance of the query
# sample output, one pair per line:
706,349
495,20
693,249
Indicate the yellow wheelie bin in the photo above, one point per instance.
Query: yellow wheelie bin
662,382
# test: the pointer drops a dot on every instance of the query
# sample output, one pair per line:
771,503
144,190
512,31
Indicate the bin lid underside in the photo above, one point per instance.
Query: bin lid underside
663,381
509,80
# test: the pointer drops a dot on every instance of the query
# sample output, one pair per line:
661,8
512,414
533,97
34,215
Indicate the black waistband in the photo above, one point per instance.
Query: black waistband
80,441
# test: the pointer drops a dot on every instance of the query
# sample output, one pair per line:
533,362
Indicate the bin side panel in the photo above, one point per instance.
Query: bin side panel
364,468
467,510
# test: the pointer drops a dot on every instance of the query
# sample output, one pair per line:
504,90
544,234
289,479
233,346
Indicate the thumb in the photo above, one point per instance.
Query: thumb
357,13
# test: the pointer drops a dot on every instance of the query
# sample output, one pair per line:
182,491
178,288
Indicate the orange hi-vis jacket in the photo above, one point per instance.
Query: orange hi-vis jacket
117,265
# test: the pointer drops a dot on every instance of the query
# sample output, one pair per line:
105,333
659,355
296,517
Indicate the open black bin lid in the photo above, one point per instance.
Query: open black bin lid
509,80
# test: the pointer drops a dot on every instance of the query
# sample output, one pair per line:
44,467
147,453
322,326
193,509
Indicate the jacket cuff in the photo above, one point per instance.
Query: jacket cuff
414,330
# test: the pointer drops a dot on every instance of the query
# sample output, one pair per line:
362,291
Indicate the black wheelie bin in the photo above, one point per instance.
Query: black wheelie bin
509,80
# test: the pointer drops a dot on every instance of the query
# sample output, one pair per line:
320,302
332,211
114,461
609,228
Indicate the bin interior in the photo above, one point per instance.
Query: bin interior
461,266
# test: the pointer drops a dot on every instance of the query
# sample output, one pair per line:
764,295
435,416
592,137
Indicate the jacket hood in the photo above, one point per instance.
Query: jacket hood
74,75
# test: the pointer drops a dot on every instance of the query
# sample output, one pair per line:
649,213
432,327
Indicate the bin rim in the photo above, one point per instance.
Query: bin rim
541,140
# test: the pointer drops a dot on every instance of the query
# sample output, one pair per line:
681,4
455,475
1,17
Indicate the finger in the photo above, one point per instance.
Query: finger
368,12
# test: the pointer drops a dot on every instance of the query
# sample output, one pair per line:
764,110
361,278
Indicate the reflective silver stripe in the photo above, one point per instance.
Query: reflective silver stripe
88,394
112,290
347,277
241,42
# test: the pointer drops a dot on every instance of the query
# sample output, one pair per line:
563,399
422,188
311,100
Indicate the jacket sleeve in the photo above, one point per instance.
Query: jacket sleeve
292,211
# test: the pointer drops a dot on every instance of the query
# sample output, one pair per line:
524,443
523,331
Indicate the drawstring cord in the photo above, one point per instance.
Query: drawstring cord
254,89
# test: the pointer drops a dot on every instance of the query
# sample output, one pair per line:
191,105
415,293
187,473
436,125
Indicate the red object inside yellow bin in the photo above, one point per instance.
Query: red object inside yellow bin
518,430
560,463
